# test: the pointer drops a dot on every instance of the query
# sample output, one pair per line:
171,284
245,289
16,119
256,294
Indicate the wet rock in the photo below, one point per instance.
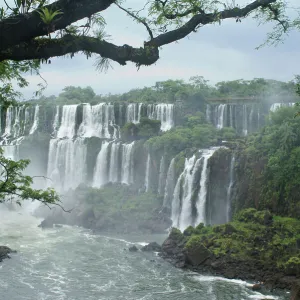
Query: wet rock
256,287
133,248
197,255
153,246
5,251
47,223
296,291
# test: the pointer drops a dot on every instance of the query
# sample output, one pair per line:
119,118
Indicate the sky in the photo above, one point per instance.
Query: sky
217,52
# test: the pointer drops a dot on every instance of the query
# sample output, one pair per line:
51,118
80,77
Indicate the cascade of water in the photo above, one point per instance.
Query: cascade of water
201,202
8,122
276,106
182,192
170,183
96,121
245,120
185,218
114,163
229,189
56,121
133,114
17,126
35,120
251,122
127,163
165,113
231,116
67,163
161,176
220,116
147,175
67,126
101,168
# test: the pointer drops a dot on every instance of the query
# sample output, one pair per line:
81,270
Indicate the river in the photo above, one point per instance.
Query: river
71,263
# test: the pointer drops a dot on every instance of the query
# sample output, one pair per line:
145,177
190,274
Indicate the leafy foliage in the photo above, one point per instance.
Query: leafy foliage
269,166
15,186
252,236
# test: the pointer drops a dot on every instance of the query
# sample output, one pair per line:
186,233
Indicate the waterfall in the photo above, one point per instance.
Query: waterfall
185,216
97,120
185,198
220,115
133,113
147,175
114,163
8,122
161,176
182,190
101,168
245,120
276,106
68,122
164,113
56,121
17,126
170,184
202,196
66,163
229,189
35,120
127,163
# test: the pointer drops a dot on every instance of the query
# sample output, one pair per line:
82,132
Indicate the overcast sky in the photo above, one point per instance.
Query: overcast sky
225,52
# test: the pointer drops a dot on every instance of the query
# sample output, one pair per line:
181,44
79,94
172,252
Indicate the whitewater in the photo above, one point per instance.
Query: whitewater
71,263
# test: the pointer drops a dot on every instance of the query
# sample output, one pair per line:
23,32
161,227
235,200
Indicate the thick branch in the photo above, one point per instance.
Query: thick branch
24,27
44,48
204,19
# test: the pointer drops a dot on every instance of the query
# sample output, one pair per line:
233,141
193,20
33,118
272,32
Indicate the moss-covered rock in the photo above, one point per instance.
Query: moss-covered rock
256,245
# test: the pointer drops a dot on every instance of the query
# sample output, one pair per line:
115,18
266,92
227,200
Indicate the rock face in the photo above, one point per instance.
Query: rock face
153,246
4,252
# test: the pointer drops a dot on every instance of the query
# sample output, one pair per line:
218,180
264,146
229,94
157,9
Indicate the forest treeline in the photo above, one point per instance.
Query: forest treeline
169,91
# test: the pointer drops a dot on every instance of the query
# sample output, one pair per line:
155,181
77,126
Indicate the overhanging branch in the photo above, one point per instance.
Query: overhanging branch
24,27
204,19
44,48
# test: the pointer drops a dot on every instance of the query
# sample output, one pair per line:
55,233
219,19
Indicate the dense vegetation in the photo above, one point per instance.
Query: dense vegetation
253,236
191,93
269,168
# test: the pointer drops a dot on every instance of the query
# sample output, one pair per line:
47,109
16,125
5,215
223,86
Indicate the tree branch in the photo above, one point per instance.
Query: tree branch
44,48
24,27
138,19
204,19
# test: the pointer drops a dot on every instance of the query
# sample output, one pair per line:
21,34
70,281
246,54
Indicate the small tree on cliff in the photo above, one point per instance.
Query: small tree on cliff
15,186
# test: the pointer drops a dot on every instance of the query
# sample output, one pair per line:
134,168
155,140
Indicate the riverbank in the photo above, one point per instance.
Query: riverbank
256,246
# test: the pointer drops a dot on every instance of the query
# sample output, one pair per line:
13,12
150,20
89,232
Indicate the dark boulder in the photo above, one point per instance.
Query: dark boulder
153,246
4,252
197,255
133,248
47,223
